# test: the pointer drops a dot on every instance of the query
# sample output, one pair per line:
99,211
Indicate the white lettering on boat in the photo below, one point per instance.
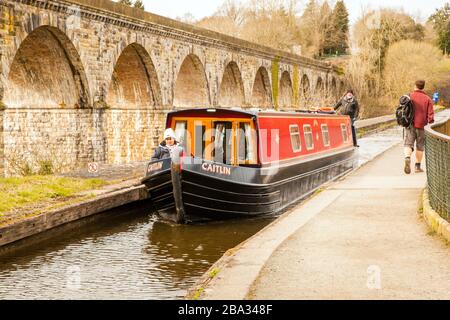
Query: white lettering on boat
213,168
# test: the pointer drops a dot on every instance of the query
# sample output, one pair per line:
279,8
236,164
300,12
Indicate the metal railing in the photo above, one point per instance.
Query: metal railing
438,166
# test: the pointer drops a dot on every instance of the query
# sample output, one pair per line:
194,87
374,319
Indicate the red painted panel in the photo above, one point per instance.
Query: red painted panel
275,138
274,133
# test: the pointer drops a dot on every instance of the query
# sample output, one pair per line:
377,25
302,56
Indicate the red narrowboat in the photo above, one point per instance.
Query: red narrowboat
246,163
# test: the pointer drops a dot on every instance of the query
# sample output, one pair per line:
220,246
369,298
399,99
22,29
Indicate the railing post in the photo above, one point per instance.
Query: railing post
438,166
2,145
2,112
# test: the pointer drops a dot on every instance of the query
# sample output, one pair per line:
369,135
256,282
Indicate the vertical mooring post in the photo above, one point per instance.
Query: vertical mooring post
176,183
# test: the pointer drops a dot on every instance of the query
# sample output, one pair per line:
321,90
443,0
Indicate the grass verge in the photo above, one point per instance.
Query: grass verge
31,192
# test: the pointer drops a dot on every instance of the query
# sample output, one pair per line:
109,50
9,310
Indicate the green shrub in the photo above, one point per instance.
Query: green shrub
45,168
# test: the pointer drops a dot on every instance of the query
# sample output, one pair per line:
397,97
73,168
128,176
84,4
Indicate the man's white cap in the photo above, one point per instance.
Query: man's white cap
169,134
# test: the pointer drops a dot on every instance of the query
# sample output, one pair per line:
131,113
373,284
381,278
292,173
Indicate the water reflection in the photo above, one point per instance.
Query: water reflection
186,250
123,254
373,145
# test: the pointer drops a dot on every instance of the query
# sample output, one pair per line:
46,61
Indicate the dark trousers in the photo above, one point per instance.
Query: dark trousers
355,142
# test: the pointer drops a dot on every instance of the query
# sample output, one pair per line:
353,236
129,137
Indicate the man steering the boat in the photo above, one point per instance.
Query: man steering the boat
349,106
166,147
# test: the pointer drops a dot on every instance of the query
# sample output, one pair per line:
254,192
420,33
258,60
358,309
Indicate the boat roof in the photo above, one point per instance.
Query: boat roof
251,112
195,111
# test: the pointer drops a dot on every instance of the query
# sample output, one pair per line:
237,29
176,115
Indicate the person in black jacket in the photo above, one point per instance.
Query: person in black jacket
164,150
348,106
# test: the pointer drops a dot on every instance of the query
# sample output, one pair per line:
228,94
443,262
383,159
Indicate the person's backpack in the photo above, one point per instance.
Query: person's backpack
405,112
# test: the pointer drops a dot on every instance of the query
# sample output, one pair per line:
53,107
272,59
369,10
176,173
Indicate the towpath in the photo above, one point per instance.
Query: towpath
368,243
360,238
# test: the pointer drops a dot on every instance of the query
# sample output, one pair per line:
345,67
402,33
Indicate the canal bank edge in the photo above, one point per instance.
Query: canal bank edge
115,196
374,125
436,223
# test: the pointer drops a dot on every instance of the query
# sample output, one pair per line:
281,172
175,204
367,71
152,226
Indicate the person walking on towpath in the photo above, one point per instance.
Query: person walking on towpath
348,106
423,115
436,97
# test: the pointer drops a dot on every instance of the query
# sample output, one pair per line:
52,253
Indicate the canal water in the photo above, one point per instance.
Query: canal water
122,254
128,253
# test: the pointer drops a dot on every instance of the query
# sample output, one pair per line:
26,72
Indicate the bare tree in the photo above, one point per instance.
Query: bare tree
187,18
234,11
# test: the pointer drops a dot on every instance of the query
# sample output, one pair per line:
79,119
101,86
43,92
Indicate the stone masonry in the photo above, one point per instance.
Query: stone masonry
92,80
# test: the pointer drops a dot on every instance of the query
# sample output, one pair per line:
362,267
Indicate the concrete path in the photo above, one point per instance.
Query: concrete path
369,243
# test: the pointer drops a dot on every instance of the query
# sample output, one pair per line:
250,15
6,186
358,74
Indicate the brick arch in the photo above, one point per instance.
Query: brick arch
191,88
231,91
134,81
261,92
46,72
286,92
319,85
305,90
334,88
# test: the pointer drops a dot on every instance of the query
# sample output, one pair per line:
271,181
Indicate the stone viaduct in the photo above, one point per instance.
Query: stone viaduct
92,80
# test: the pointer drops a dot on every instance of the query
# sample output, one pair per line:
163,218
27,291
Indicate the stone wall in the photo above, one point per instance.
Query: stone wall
133,134
70,139
63,139
92,80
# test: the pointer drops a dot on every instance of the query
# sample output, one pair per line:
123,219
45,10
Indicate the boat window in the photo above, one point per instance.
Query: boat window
325,135
344,132
199,140
309,140
223,142
246,144
295,138
181,132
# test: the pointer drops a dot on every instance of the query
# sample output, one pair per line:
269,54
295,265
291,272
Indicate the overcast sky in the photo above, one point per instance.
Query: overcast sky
201,8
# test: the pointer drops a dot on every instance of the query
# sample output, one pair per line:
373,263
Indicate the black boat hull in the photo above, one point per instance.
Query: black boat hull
217,191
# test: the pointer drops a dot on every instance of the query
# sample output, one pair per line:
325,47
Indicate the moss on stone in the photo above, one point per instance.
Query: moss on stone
197,294
100,104
213,273
275,81
295,84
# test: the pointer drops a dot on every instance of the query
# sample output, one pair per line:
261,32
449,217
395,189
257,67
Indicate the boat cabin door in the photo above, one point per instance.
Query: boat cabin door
223,142
214,141
227,141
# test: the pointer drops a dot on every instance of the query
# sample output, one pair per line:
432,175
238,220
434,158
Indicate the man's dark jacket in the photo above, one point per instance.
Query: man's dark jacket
161,152
348,107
